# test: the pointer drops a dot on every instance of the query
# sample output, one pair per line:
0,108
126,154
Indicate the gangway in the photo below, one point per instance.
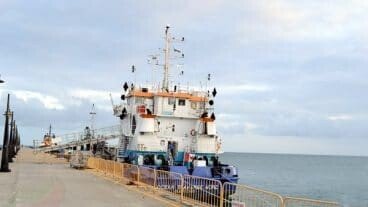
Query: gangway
82,138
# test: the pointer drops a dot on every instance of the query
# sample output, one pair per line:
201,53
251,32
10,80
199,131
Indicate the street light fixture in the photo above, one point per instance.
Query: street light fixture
1,81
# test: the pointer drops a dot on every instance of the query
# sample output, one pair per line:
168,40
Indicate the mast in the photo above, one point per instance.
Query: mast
165,83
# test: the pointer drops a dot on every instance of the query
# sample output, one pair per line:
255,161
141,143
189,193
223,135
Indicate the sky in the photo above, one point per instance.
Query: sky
290,75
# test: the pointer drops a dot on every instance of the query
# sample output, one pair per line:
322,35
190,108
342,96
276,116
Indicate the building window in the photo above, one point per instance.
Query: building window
181,102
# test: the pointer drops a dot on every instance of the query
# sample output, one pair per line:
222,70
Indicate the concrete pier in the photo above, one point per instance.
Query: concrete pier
42,180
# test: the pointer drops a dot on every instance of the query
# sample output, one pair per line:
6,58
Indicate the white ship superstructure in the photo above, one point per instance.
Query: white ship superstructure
153,119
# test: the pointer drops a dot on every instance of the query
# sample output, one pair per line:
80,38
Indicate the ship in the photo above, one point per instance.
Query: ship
49,139
170,128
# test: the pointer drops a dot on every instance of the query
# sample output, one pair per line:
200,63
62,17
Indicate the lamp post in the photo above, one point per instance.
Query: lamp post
4,157
11,139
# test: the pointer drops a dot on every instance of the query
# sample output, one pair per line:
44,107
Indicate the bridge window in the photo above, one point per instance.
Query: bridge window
201,105
181,102
193,105
139,100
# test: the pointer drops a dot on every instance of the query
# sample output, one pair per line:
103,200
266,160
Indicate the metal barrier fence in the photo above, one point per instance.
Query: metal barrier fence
241,195
131,173
110,168
100,166
91,162
147,176
303,202
170,183
198,190
202,191
118,169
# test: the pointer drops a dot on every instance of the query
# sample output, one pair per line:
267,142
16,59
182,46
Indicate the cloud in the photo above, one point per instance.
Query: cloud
33,117
241,88
295,145
49,102
100,98
282,68
341,117
299,21
97,95
250,126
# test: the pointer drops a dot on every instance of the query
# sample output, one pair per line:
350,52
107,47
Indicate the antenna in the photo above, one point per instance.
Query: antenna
208,82
168,41
180,74
153,60
135,75
93,114
165,83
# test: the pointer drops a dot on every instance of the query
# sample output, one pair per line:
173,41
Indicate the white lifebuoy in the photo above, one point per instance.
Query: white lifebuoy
192,132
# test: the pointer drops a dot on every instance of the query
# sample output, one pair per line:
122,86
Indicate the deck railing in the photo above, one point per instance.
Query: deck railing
199,191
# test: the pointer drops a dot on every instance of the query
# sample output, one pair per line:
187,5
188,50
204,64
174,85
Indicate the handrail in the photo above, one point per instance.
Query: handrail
72,139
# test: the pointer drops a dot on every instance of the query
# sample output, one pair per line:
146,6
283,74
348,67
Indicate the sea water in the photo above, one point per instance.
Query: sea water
334,178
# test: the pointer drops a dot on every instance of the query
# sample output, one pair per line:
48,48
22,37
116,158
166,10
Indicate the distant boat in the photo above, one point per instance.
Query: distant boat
49,139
